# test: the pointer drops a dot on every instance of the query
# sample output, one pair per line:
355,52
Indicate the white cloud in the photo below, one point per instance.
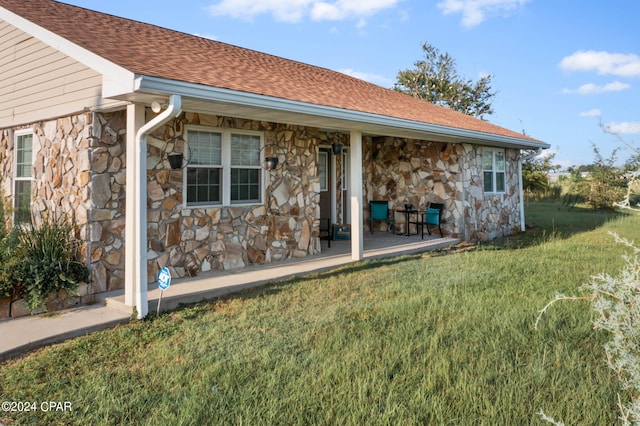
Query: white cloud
626,127
620,64
591,113
591,88
474,12
371,78
297,10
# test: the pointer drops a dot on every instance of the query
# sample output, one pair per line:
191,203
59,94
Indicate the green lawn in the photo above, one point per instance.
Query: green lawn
440,338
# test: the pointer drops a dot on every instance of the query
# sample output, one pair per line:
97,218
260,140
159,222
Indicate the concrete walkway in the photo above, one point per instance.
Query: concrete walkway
21,335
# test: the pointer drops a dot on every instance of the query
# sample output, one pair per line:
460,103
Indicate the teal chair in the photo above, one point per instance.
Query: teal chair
433,216
379,212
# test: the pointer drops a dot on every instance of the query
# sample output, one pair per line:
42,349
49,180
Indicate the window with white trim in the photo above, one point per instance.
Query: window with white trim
493,168
23,177
345,169
323,170
224,167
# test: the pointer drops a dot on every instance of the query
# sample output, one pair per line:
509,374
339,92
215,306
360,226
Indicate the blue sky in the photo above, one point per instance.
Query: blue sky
562,69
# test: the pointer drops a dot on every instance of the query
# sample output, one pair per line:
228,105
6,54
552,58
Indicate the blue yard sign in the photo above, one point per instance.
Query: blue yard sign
164,278
164,281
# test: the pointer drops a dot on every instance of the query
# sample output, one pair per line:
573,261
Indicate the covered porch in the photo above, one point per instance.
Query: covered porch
214,284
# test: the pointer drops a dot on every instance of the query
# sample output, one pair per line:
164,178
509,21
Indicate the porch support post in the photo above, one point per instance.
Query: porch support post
355,182
135,120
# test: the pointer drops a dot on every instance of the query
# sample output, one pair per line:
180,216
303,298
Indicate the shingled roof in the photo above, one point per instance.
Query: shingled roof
152,51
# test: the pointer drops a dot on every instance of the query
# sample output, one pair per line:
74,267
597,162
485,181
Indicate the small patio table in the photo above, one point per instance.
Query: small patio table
408,213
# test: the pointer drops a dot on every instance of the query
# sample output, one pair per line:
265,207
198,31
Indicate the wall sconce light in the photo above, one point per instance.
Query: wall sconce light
336,148
274,157
270,163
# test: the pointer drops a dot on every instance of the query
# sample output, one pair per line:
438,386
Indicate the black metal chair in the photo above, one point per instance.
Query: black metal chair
379,212
326,230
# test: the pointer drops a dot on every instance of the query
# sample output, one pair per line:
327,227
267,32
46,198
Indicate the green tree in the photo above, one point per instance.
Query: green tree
435,79
603,187
535,175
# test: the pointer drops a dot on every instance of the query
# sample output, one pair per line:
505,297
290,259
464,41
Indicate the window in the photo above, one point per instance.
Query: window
245,168
345,169
23,177
323,169
493,167
224,168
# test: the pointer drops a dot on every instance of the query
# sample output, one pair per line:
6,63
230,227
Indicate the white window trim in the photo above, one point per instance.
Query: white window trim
16,178
494,170
226,167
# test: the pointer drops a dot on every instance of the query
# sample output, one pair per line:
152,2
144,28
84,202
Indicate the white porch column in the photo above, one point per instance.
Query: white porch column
355,183
135,120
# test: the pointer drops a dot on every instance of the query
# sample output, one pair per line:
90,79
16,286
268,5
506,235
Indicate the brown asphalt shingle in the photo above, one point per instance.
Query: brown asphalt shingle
158,52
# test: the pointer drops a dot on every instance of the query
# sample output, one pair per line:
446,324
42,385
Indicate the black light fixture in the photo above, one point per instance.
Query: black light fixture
270,163
274,157
336,148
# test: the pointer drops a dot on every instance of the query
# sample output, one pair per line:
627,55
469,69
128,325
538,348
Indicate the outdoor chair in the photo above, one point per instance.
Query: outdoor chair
325,230
431,216
379,212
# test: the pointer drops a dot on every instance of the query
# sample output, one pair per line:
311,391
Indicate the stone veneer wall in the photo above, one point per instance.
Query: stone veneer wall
418,172
489,216
188,240
78,175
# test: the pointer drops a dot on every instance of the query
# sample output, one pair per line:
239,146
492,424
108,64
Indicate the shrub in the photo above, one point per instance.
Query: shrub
616,301
38,261
601,188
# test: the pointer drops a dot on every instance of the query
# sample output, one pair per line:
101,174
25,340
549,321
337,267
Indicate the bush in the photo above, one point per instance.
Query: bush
38,261
616,302
601,188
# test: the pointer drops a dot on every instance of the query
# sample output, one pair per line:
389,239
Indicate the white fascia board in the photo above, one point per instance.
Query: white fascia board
165,87
116,79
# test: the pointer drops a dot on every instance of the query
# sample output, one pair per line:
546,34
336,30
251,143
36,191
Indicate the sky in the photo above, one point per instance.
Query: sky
566,72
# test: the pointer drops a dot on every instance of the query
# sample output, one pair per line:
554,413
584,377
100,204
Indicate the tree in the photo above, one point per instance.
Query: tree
535,174
604,186
435,79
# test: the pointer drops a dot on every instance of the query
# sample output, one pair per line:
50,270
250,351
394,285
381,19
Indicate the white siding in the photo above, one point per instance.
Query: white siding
37,82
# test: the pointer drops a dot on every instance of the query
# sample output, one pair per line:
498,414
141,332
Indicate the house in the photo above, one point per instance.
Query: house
93,106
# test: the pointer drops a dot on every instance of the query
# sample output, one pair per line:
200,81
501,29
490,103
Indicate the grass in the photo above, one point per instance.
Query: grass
439,338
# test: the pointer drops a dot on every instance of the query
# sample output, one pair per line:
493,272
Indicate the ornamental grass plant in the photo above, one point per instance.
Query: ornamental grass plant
444,337
38,260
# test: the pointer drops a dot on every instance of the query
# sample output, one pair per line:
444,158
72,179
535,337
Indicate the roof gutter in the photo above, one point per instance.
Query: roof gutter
161,86
140,245
521,189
